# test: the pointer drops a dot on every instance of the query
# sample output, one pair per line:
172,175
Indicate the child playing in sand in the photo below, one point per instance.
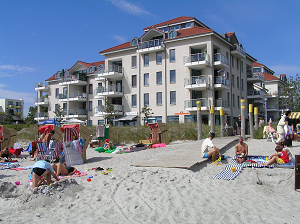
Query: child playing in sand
281,157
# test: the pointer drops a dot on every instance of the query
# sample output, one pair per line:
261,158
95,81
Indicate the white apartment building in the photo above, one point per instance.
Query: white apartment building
12,106
171,66
265,92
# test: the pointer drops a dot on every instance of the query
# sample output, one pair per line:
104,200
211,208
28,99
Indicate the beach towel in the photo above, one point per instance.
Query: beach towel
100,131
9,165
78,174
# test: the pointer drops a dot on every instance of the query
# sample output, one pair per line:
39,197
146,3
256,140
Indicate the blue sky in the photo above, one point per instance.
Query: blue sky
39,37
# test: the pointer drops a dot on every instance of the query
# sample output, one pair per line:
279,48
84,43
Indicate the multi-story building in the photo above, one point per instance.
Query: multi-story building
169,68
14,107
266,91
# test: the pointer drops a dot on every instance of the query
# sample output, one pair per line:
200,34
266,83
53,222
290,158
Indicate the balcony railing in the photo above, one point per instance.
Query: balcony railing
240,49
41,100
77,77
195,80
197,58
259,75
221,103
42,114
102,109
221,80
149,44
193,103
41,84
275,107
76,94
254,92
220,57
111,88
77,111
112,68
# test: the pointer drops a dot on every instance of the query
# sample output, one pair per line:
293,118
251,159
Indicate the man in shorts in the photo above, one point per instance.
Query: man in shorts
40,169
241,151
214,153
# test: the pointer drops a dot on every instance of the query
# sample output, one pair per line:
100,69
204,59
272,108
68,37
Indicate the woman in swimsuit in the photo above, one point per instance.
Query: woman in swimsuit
5,156
62,170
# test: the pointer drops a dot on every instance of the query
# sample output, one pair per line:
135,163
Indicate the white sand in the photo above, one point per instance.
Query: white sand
158,195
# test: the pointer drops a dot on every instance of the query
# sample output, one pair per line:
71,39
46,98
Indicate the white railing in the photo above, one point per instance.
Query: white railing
77,111
102,109
41,100
221,103
221,80
149,44
254,92
197,58
111,68
111,88
193,103
77,94
40,84
259,75
220,57
195,80
77,77
276,107
42,114
240,49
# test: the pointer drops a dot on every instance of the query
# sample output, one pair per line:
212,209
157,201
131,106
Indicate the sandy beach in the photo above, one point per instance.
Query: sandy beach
130,194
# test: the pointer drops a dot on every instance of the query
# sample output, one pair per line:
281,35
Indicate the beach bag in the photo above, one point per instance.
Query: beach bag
288,141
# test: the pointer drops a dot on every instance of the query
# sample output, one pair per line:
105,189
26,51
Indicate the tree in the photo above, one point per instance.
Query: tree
31,115
146,110
289,94
59,112
7,119
109,110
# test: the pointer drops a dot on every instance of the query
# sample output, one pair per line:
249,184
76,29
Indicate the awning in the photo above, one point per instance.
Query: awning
295,115
126,118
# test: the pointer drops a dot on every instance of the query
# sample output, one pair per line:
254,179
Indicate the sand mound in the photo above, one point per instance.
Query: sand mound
8,190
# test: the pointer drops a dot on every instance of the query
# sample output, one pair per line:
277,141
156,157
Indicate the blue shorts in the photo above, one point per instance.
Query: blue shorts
206,155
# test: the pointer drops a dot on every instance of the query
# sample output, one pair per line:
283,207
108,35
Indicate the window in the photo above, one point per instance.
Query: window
90,105
237,64
173,119
146,59
159,98
172,34
256,70
99,102
232,62
133,80
18,110
172,97
65,107
172,76
90,88
57,93
243,84
134,42
233,101
90,122
232,80
238,82
18,104
56,106
172,55
228,99
146,99
133,62
238,101
133,100
242,66
100,122
158,57
146,79
159,78
189,25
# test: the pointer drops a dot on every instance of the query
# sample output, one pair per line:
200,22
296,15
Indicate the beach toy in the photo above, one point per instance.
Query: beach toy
91,176
233,169
88,180
17,183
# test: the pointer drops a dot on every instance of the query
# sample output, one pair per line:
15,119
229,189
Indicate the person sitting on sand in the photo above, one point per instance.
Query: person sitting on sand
40,169
272,130
108,145
214,153
241,151
281,157
62,170
5,156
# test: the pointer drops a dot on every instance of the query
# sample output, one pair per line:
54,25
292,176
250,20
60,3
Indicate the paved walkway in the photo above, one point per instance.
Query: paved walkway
188,156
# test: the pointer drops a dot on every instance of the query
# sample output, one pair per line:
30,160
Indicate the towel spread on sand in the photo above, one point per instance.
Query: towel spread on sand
80,174
100,131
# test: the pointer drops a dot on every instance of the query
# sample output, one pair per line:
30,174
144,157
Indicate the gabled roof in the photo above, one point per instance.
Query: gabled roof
51,78
269,77
171,21
118,47
256,64
230,33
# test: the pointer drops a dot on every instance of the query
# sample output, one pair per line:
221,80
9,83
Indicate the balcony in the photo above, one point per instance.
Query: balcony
41,116
220,103
112,72
221,83
73,96
220,61
75,113
259,101
272,107
10,106
40,86
238,51
41,101
197,83
256,94
109,91
197,61
191,105
101,110
149,46
78,79
255,77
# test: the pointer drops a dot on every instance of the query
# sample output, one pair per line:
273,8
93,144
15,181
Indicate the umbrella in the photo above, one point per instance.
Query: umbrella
74,120
51,121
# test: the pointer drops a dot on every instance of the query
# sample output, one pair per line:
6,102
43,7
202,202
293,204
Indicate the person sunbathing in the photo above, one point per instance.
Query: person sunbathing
241,151
214,153
5,156
281,157
42,169
62,170
272,130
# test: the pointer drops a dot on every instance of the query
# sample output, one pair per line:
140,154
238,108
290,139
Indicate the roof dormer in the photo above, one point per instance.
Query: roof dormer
134,41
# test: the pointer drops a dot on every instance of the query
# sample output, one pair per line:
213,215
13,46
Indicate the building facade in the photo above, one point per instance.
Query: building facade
12,106
169,68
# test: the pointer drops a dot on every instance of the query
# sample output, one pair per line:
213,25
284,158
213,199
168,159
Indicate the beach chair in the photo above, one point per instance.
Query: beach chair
49,155
41,150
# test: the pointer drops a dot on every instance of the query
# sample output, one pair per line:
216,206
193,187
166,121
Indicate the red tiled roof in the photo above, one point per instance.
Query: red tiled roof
230,34
121,46
256,64
283,75
269,77
171,21
51,78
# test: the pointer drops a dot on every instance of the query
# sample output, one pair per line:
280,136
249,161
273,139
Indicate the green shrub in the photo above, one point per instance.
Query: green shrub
258,134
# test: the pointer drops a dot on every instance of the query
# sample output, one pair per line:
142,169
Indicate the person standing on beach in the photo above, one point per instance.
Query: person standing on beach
214,153
48,137
238,125
241,151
